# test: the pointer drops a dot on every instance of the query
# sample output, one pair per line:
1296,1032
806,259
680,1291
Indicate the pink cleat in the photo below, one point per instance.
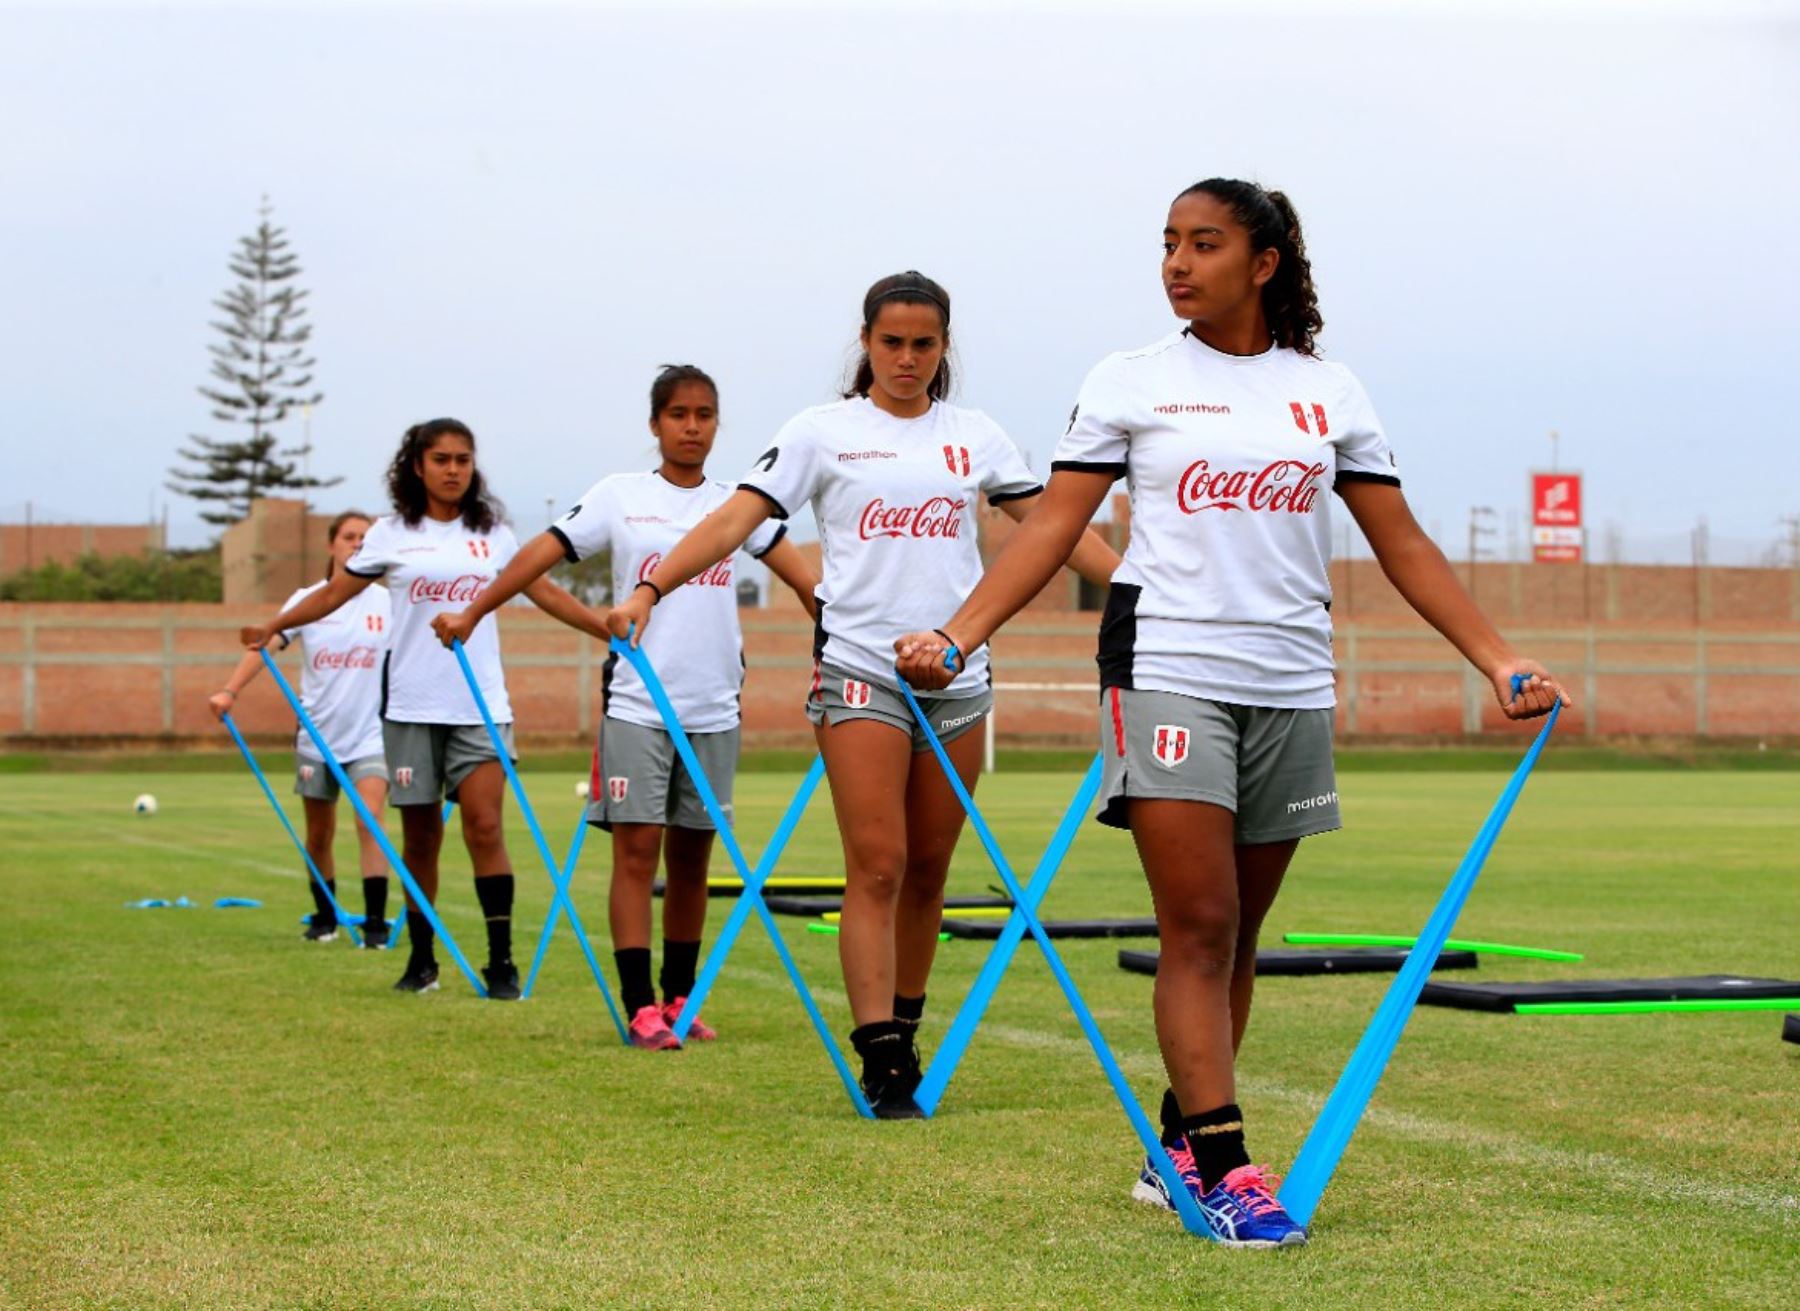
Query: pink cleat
699,1030
650,1032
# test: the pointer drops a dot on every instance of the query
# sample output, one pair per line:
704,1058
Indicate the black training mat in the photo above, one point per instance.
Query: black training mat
1336,960
1701,987
833,886
1056,928
786,905
1790,1028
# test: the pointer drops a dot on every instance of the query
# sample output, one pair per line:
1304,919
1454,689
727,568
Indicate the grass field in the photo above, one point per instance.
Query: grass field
202,1111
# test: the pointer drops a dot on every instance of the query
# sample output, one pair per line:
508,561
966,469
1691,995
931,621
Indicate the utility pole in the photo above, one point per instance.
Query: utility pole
1478,528
1555,441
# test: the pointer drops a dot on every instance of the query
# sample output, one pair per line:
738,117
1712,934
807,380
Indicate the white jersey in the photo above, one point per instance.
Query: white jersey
433,568
340,683
1223,592
694,643
895,500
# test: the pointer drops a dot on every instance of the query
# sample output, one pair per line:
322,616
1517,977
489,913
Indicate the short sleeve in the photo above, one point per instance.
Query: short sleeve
1004,474
504,543
376,554
1097,440
586,529
765,537
1363,453
289,635
787,474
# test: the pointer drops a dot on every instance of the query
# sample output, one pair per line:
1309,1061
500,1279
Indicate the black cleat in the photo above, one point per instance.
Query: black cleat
420,976
891,1099
375,935
502,979
320,930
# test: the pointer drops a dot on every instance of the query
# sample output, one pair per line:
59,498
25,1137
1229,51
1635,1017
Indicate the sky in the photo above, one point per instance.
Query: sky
1521,218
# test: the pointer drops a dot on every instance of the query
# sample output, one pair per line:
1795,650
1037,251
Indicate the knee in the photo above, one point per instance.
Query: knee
925,879
1201,937
879,873
482,830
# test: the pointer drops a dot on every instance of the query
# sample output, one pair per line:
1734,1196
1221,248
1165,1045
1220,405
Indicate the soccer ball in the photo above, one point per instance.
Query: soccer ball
581,789
145,804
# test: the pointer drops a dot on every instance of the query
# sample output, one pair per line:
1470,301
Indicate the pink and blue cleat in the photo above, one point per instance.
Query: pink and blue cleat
698,1031
649,1031
1241,1209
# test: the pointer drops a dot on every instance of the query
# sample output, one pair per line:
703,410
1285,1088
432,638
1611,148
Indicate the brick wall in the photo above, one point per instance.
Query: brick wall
26,546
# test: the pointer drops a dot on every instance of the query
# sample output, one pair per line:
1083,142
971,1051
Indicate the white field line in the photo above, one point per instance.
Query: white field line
1616,1172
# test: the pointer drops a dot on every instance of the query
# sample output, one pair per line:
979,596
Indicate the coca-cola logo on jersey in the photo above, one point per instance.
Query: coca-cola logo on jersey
448,591
357,657
1286,485
939,516
717,576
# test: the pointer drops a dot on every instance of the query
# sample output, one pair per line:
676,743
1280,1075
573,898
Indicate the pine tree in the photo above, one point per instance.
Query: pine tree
261,373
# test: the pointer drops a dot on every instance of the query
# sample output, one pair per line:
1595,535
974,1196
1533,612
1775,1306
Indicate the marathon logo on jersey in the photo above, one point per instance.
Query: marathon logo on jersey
856,695
1312,803
478,547
617,786
766,461
845,457
1171,745
1318,413
356,657
403,776
957,458
1289,486
940,516
1190,407
719,575
448,591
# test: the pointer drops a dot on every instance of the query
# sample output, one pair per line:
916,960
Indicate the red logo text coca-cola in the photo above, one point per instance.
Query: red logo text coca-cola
717,576
938,517
356,657
449,591
1286,485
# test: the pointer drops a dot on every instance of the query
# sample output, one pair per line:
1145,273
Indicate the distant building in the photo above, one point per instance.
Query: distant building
275,551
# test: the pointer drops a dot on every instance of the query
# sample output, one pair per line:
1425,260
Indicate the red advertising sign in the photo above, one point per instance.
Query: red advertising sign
1556,530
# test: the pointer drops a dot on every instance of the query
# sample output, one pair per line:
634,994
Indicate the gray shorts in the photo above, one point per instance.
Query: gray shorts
1271,768
315,782
639,777
838,695
428,762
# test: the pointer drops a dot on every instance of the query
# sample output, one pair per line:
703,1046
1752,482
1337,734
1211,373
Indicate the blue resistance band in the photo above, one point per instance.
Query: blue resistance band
962,1029
1331,1132
568,873
1191,1218
395,861
558,879
753,879
286,823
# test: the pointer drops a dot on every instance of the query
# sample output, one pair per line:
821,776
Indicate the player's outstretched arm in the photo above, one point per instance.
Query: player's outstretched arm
790,565
1046,539
533,560
308,610
557,602
712,539
1419,572
222,702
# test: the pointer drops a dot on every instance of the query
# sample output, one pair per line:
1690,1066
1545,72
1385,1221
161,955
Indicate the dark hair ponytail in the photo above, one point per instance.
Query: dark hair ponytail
662,391
1290,302
331,533
480,511
909,288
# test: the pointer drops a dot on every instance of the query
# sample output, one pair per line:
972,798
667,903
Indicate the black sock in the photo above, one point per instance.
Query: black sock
375,900
1216,1138
884,1047
495,893
1171,1118
323,913
679,960
909,1010
418,928
634,979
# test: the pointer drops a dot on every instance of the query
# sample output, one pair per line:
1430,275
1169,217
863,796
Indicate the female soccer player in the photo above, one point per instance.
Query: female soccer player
893,474
442,545
641,791
1215,649
340,686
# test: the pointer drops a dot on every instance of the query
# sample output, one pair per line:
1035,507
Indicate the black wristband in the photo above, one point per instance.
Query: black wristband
953,642
653,587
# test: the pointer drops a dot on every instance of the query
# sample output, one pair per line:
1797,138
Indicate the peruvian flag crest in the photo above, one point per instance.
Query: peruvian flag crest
1171,745
617,786
957,457
856,695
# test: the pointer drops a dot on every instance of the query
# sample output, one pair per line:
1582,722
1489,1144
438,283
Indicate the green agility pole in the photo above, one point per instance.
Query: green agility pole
1401,940
831,930
1655,1007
